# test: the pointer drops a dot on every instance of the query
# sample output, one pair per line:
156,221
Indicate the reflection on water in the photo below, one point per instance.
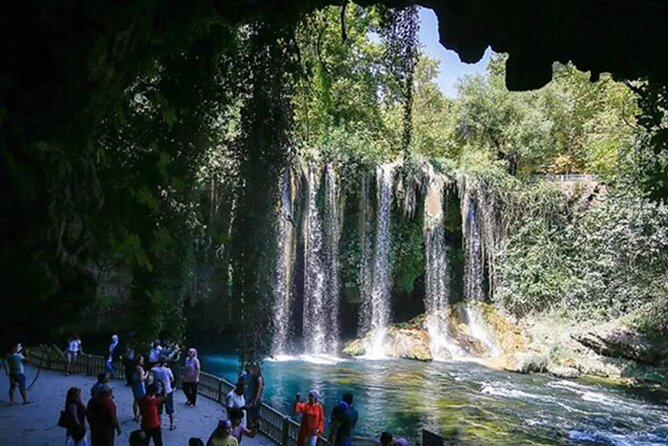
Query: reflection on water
466,402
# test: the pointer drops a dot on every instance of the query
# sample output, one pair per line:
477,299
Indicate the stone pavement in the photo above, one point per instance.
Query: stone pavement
36,424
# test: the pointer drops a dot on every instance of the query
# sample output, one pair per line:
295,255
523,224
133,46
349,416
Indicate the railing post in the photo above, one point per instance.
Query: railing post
220,391
87,361
285,433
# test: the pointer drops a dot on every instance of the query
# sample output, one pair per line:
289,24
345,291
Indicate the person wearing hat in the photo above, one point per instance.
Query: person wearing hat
313,419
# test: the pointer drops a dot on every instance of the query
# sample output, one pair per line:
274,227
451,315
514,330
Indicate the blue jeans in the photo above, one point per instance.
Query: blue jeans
109,366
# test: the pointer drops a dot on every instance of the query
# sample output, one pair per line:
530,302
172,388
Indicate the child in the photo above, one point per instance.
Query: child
222,435
238,429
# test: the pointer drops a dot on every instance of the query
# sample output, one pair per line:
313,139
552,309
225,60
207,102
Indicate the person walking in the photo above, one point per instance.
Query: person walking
150,417
74,349
165,378
73,417
111,355
138,380
101,412
235,400
313,419
13,363
191,377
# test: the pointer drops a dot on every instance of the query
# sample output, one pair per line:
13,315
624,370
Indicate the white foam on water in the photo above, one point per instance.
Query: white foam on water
282,358
376,348
608,438
321,359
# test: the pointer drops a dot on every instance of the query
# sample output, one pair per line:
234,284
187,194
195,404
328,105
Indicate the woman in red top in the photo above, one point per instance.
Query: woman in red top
313,419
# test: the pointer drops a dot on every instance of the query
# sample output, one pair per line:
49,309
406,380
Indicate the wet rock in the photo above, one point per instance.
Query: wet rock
354,348
526,362
623,344
409,343
563,372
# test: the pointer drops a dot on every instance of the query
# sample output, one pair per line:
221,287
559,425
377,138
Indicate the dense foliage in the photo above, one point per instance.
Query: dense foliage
150,201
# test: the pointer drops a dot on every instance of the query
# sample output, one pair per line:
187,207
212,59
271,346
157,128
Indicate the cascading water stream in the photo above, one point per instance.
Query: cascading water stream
314,327
379,302
282,295
332,237
473,273
436,277
365,280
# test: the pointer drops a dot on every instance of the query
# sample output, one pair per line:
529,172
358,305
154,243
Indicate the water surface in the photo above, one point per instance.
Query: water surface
467,402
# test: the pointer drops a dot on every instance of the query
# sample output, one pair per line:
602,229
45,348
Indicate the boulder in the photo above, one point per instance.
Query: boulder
354,348
526,362
409,343
563,372
622,343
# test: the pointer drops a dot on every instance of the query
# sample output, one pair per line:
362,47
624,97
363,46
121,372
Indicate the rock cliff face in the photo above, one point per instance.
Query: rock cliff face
491,336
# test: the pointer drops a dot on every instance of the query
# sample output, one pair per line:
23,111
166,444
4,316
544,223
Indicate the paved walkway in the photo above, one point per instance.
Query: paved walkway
35,424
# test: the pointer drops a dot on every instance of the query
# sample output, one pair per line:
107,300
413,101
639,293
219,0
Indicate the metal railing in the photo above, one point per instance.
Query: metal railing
278,427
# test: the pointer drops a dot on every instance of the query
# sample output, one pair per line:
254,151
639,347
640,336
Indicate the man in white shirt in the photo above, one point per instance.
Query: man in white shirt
164,378
73,351
235,400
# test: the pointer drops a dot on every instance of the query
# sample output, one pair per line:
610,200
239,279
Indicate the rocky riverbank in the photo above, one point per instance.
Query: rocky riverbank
546,345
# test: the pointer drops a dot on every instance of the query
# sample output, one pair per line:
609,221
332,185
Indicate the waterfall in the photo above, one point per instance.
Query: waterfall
436,298
283,275
379,302
332,237
314,276
436,277
473,270
365,277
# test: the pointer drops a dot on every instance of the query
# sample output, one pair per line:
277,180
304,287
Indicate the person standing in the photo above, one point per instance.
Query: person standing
73,351
341,424
111,352
238,431
256,395
353,415
129,363
313,419
165,378
138,379
191,377
235,400
74,412
16,372
78,437
102,380
222,435
154,354
150,418
101,412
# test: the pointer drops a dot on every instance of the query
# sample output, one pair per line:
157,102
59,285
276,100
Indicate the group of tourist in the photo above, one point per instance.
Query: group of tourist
153,383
